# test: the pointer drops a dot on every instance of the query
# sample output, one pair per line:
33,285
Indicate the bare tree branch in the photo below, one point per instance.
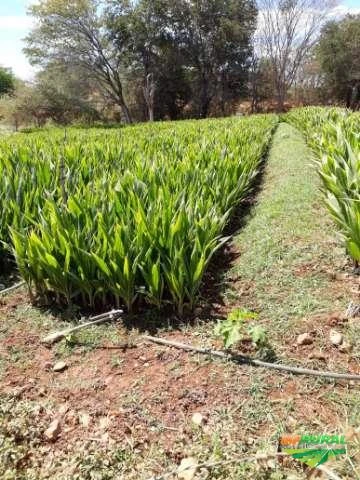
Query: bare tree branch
287,30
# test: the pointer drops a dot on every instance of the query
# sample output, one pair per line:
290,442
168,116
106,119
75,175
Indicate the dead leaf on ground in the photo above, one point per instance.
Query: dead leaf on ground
317,356
84,419
63,409
198,419
345,347
53,431
104,423
187,468
304,339
59,367
336,338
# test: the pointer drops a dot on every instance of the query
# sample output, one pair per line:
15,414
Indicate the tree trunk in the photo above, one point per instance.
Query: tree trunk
254,103
280,104
223,95
204,99
149,95
125,111
151,114
280,98
281,89
254,93
353,97
117,95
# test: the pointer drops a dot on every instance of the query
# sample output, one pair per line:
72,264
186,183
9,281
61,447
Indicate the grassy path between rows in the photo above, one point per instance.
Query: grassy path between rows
289,248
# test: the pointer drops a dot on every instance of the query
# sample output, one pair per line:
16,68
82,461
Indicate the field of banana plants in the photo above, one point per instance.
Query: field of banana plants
334,135
124,216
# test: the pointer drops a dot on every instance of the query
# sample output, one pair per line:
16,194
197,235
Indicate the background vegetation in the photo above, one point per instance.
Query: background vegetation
122,61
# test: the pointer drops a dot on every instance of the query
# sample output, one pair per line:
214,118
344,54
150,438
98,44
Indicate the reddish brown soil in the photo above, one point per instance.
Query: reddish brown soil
150,392
147,394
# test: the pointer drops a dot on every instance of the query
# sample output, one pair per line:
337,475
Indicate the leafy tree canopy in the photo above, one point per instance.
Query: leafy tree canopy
338,52
7,81
167,54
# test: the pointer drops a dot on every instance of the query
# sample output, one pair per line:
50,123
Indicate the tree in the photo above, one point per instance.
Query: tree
261,82
74,32
164,54
144,32
215,37
338,52
56,94
308,87
155,63
64,95
173,90
18,108
7,81
288,30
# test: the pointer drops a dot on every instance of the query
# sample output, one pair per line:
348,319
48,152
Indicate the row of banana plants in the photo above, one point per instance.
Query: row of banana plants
334,135
116,217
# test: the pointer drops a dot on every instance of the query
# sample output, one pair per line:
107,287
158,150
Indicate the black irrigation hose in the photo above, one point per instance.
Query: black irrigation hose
253,362
13,287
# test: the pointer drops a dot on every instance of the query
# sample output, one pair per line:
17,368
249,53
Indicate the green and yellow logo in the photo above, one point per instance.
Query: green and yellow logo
313,449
